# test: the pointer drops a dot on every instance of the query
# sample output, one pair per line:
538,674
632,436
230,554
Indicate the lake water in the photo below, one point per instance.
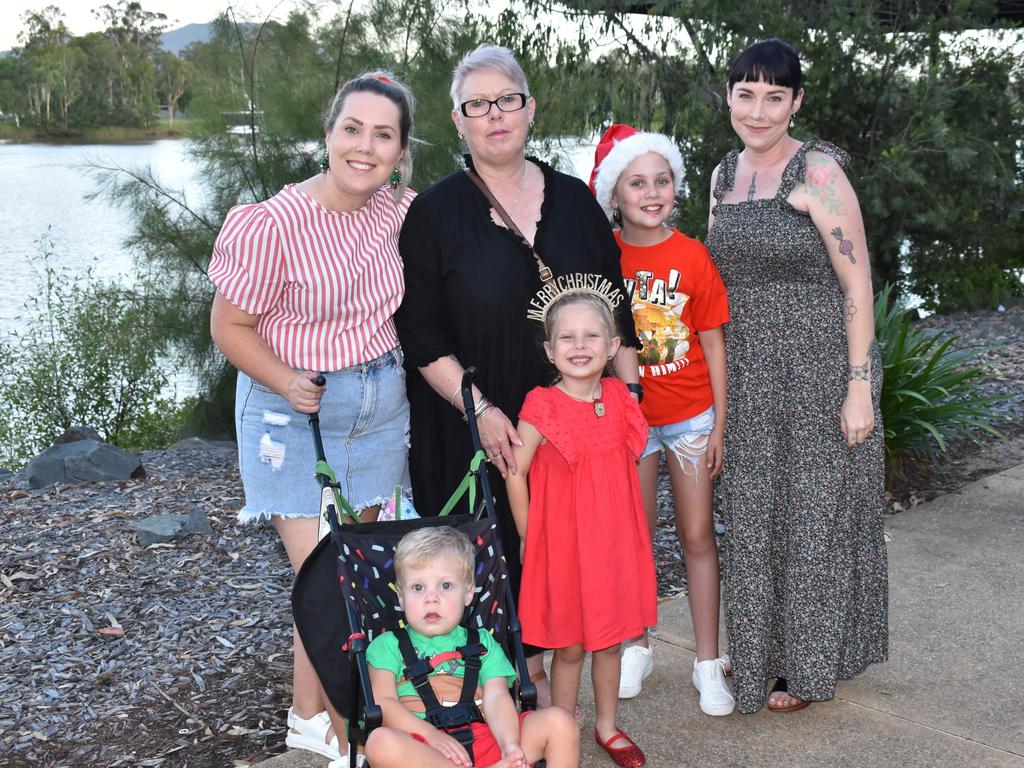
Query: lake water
44,195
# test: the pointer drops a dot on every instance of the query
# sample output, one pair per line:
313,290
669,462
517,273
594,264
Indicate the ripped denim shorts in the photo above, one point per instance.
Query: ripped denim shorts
687,440
364,420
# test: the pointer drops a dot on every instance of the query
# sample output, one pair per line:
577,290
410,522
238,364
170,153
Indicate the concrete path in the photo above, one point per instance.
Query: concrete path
951,695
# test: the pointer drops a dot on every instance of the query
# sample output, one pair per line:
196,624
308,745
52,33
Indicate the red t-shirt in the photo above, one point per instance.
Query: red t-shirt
675,292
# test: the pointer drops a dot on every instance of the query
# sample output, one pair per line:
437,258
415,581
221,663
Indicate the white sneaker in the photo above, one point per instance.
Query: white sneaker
709,679
637,665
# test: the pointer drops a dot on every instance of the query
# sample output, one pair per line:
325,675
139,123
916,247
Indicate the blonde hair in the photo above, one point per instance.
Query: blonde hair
588,298
382,83
425,545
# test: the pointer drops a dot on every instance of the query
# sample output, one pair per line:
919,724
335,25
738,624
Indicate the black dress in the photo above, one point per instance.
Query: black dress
468,283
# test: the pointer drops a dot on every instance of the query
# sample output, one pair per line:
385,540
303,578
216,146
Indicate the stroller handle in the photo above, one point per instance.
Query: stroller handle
314,423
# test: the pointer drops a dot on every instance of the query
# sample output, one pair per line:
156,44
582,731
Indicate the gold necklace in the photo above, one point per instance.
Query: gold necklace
599,409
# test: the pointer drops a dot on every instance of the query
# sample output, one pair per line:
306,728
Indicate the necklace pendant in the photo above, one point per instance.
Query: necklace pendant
598,408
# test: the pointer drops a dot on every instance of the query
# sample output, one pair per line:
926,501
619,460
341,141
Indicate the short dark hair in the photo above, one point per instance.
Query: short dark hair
772,60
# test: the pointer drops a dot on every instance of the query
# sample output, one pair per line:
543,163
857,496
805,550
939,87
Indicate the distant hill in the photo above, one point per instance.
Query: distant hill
177,39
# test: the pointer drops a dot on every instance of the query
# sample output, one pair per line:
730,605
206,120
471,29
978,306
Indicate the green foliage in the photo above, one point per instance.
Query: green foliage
931,389
86,355
66,83
925,97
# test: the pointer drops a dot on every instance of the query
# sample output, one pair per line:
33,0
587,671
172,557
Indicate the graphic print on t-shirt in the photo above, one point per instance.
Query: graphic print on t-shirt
657,311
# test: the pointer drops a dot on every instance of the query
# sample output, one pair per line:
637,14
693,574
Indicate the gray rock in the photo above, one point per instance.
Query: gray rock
160,529
5,473
74,434
83,461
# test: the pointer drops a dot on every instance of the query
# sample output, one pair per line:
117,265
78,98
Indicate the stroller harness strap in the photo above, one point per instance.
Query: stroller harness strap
455,720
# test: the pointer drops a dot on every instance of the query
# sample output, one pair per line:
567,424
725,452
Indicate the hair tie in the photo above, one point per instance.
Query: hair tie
384,79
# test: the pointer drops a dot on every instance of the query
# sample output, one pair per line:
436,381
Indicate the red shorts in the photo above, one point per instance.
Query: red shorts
485,749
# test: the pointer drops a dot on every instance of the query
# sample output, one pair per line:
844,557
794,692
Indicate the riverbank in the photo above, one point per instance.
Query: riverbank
177,654
100,135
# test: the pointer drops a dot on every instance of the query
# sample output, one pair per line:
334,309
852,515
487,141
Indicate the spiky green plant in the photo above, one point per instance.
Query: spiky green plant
932,390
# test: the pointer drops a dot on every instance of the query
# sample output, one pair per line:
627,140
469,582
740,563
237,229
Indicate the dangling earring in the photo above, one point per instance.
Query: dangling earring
324,163
461,137
792,120
396,178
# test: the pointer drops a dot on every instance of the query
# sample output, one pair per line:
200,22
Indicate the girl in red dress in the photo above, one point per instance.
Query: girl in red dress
588,572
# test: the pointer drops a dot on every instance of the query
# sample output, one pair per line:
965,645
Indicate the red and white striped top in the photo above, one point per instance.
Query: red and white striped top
325,284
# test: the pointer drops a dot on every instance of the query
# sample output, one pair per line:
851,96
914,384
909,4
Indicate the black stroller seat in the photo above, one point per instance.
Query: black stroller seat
345,595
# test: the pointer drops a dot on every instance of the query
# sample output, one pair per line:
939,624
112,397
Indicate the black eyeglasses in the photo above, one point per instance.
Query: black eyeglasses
508,102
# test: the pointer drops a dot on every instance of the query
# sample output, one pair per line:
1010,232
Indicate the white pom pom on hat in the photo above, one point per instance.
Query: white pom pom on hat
620,146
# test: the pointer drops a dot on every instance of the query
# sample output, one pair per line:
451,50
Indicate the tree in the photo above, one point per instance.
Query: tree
173,76
928,109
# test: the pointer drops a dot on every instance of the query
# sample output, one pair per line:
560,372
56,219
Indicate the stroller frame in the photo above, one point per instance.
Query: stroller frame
335,505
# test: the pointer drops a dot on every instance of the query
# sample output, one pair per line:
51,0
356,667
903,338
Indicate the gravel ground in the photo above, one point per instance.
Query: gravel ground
178,655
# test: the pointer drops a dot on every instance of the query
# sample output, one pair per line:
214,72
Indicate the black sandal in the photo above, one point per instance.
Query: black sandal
781,686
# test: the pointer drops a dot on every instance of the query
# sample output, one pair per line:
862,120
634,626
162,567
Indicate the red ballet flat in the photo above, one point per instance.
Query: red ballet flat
626,757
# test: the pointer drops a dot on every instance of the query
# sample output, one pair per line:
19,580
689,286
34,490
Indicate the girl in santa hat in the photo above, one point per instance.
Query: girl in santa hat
679,306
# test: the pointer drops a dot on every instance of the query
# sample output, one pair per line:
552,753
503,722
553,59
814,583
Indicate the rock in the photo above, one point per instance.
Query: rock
83,461
160,529
190,444
74,434
5,473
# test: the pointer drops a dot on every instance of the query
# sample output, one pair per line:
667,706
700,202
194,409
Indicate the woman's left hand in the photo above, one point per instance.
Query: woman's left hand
857,417
497,434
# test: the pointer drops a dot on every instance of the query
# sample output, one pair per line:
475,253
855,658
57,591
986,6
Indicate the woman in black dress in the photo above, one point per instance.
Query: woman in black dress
469,280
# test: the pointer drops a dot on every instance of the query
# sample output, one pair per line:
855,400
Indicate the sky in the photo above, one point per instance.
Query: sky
80,19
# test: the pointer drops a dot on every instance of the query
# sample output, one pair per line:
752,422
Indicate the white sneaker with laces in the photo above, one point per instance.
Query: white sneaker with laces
709,678
637,665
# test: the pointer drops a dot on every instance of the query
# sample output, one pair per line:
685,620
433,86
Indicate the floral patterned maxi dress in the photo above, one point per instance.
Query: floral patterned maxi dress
804,565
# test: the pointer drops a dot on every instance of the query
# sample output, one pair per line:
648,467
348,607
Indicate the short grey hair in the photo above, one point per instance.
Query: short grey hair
487,56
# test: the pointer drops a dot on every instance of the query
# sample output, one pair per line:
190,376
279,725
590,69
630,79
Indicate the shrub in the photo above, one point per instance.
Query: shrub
85,355
932,391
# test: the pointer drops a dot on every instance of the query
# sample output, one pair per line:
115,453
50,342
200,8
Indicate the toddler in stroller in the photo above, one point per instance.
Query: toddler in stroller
433,676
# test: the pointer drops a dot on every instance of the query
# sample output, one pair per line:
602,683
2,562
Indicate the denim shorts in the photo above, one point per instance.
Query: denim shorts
687,440
364,421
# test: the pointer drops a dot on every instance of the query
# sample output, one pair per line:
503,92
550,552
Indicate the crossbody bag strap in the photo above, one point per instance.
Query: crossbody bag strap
542,269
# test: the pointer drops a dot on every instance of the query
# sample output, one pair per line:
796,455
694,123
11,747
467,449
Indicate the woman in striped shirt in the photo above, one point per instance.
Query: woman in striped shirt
307,282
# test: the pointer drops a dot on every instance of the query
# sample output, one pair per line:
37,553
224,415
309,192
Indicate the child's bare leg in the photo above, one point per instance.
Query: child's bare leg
648,469
551,734
391,748
693,488
566,667
535,666
605,675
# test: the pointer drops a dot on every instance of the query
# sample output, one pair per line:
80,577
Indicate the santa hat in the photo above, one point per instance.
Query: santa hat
620,146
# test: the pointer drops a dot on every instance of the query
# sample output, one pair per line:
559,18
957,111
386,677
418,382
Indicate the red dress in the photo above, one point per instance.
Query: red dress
588,576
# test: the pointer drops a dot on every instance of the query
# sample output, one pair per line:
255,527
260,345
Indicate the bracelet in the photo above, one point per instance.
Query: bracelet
452,398
637,390
483,407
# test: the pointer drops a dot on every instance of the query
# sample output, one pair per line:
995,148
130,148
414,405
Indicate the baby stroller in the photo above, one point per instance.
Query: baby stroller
345,595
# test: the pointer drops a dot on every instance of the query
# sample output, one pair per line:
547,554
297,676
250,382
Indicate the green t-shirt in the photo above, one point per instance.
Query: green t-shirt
446,679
